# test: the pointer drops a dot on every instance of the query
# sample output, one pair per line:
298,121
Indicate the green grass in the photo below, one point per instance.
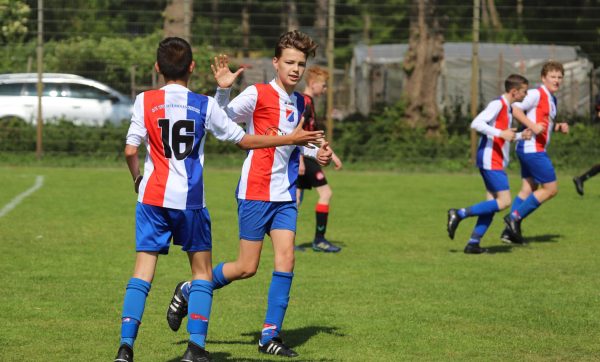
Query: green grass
399,290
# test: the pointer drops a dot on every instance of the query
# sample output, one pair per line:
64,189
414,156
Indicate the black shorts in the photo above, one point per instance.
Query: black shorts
313,175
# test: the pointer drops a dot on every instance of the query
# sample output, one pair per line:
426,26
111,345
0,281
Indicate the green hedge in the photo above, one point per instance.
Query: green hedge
382,141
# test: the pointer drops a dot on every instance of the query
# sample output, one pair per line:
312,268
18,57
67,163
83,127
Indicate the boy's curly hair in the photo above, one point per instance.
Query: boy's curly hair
296,40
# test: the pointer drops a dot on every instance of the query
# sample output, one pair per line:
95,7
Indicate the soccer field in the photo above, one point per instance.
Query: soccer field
399,290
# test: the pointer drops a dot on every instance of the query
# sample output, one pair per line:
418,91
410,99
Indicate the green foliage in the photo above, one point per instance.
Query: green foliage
13,21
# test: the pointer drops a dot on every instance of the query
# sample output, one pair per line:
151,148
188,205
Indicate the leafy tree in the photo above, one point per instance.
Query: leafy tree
13,21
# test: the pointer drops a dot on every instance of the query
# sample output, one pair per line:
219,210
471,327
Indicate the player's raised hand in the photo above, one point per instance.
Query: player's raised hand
300,137
562,127
222,73
508,134
324,154
526,134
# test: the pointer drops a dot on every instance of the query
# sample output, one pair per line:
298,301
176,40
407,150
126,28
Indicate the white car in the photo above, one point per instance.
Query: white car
66,96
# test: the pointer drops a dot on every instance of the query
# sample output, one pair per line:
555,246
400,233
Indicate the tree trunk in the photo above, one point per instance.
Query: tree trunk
214,9
495,18
292,23
422,65
321,24
178,17
246,28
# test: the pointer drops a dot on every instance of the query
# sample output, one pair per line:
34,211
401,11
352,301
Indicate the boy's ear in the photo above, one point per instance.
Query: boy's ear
156,67
192,66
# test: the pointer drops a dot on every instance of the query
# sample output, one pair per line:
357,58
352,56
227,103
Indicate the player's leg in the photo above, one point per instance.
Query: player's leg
493,180
579,180
497,190
282,233
199,305
152,237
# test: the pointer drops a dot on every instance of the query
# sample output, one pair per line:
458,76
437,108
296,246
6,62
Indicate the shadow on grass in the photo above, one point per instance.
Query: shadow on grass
293,338
545,238
308,245
493,249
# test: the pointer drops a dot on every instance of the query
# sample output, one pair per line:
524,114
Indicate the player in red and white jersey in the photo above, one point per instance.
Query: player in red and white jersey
173,122
536,112
494,124
267,189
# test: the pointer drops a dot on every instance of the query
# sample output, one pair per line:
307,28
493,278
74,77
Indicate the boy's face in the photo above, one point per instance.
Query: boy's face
552,80
318,86
519,94
290,67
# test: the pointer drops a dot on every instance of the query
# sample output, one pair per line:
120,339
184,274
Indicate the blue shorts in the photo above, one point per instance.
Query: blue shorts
537,166
256,218
495,180
155,226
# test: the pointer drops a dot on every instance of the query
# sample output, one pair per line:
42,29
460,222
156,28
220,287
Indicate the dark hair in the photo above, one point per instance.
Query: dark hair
550,66
514,81
296,40
174,56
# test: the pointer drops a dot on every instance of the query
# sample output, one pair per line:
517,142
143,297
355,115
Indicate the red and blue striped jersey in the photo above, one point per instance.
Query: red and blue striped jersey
173,121
493,150
540,107
268,174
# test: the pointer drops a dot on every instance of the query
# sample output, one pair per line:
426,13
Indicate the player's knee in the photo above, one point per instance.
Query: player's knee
248,271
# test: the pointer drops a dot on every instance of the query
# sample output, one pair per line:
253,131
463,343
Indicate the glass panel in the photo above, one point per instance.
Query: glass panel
85,91
11,89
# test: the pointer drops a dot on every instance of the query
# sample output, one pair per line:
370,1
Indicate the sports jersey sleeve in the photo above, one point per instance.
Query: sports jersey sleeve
241,108
137,130
309,152
219,124
482,123
531,100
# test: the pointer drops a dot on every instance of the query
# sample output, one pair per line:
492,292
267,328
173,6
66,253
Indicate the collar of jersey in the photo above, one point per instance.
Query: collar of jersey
283,93
174,87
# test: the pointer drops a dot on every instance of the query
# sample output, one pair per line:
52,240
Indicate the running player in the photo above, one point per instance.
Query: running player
310,172
537,112
494,124
173,122
266,191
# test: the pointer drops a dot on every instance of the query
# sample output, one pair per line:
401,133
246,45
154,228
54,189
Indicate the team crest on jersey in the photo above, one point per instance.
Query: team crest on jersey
289,114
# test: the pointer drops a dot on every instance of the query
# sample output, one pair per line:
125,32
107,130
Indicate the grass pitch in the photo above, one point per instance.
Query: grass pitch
399,290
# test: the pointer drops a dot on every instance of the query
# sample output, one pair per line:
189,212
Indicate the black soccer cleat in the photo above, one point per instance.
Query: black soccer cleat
178,308
322,244
507,238
453,221
276,347
475,249
125,354
578,185
195,353
513,227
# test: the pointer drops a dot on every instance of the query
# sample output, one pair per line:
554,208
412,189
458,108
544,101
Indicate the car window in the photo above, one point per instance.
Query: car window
50,90
85,91
11,89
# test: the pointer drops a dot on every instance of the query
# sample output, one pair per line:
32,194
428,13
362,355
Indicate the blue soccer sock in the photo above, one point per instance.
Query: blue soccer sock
527,207
185,290
482,208
516,203
133,309
219,280
483,223
279,296
199,306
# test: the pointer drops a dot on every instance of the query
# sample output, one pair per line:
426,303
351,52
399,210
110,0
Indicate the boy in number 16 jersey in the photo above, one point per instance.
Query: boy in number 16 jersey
266,191
494,124
173,123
